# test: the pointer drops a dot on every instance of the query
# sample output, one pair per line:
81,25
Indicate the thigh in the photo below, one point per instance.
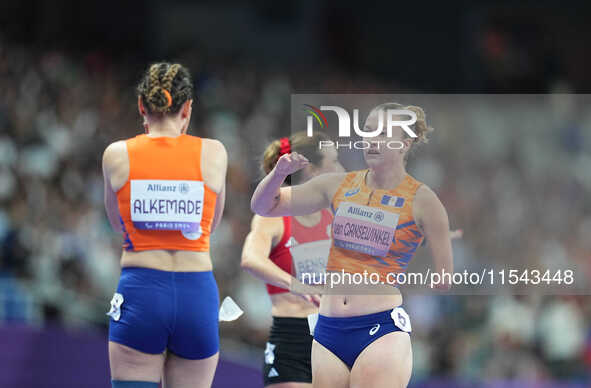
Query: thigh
327,369
386,362
184,373
130,364
289,385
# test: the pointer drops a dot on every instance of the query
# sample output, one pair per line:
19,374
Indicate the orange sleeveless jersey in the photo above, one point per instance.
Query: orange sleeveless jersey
165,204
373,230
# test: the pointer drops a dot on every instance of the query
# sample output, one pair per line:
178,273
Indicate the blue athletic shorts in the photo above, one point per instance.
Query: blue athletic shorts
155,310
346,337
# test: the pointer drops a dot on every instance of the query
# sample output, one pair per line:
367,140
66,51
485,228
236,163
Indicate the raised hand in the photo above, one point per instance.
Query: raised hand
290,163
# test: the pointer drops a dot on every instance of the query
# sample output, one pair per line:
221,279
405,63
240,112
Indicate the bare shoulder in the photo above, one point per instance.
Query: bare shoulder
425,195
427,203
214,155
272,223
114,154
215,149
115,149
116,164
271,227
214,163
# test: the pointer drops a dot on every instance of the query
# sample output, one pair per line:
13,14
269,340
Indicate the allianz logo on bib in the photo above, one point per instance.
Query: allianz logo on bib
183,188
361,212
159,187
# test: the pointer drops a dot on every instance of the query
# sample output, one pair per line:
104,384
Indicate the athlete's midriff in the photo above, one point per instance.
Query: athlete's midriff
354,305
165,260
290,305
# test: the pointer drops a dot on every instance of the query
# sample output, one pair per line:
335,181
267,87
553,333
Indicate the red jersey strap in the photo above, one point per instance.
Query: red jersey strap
281,256
284,238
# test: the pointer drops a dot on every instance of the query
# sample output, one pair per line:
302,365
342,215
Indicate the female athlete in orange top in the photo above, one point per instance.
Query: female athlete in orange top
381,216
164,191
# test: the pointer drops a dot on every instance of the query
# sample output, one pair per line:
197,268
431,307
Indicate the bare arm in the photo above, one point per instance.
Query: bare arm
115,174
272,200
256,250
219,208
255,255
214,160
432,217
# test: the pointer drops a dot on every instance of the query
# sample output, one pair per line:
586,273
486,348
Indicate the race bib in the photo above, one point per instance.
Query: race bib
364,229
401,319
116,302
167,205
309,260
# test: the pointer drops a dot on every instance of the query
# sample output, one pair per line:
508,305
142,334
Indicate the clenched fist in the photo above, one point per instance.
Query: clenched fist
290,163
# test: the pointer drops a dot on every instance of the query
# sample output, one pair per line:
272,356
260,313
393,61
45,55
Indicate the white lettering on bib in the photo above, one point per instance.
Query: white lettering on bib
310,259
167,205
364,229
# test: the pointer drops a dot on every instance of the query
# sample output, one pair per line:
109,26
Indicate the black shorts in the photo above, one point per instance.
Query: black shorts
288,352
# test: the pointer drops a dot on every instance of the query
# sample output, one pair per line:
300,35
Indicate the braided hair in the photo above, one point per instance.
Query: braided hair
165,87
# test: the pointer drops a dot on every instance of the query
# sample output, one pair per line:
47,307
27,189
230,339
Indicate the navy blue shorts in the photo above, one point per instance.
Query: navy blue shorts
155,310
346,337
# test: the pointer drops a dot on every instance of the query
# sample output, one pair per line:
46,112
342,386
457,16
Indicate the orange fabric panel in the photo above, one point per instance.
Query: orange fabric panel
164,158
407,237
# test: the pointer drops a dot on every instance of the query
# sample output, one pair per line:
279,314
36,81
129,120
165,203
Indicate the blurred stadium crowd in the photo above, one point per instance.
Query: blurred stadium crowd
515,194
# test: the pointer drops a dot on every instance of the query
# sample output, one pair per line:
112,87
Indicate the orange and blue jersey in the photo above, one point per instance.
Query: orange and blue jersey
165,204
373,229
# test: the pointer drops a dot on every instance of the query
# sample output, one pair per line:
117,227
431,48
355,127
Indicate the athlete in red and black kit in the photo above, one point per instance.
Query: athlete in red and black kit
278,250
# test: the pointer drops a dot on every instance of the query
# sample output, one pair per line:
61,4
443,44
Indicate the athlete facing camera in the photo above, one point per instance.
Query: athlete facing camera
381,216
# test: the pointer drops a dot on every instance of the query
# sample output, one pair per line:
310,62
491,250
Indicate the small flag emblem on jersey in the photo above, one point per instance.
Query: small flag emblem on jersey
389,200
